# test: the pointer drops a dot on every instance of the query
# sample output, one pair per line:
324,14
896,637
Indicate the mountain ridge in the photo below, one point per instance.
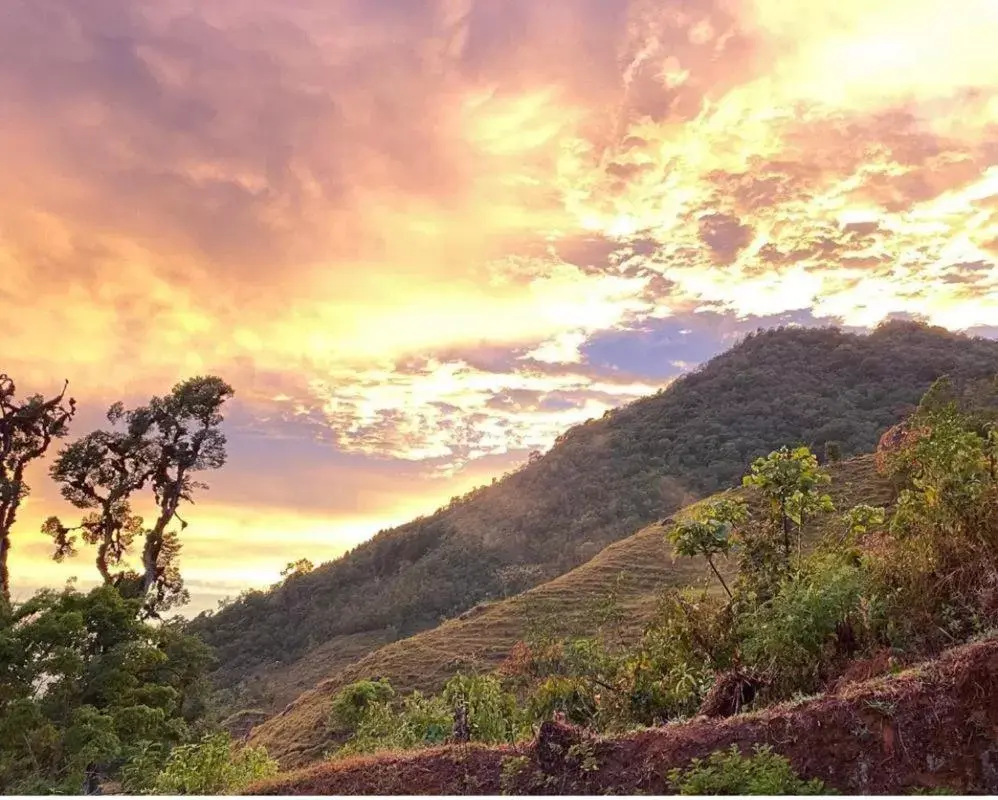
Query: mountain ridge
600,482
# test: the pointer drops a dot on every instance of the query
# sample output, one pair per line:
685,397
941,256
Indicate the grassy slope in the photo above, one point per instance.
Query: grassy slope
277,684
640,567
599,483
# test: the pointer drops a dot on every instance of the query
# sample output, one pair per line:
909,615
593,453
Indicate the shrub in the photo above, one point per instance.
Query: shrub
493,716
789,636
572,697
728,772
353,702
212,766
421,721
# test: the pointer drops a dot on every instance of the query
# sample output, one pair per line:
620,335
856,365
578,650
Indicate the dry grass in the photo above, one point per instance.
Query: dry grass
273,686
639,568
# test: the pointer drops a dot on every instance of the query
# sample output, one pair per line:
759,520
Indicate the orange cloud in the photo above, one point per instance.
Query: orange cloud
402,223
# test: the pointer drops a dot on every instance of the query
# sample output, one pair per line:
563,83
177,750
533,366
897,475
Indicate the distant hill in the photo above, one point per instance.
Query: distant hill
599,483
636,570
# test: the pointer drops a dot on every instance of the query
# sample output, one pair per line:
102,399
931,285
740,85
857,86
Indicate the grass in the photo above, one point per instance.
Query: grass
638,568
273,686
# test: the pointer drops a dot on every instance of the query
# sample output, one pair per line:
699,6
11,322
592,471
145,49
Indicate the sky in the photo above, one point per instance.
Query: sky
421,238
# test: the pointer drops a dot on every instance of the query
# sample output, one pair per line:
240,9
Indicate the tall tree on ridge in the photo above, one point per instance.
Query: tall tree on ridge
27,428
157,446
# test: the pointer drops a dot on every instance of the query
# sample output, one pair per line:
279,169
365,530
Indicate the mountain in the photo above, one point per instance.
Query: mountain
634,571
599,483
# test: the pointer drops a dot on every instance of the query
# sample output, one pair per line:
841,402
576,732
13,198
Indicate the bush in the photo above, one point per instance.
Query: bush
792,635
728,772
420,722
569,696
493,716
212,766
352,703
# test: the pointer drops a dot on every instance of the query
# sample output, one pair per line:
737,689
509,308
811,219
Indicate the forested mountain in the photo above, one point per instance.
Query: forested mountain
600,482
623,585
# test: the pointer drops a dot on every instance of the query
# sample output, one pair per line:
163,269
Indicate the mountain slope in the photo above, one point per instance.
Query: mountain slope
636,569
599,483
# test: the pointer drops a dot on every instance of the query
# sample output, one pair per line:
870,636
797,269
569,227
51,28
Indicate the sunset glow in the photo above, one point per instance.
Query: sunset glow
422,238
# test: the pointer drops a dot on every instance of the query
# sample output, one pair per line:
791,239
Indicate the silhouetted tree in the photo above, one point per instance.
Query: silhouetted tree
158,446
27,428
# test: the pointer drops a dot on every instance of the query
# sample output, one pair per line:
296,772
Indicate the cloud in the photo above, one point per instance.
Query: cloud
424,235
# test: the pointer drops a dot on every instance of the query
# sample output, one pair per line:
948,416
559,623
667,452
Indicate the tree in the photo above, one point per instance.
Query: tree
708,534
302,566
99,473
157,446
83,683
27,428
790,480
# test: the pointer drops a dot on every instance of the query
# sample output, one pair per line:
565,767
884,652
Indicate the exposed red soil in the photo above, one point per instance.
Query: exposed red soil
932,726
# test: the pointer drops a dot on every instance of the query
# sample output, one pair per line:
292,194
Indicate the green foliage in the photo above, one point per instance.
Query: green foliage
945,523
709,533
83,682
663,676
354,702
792,635
211,766
728,772
493,715
862,519
573,697
419,721
601,482
790,480
672,668
950,477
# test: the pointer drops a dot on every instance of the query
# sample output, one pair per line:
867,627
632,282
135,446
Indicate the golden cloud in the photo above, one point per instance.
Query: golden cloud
342,206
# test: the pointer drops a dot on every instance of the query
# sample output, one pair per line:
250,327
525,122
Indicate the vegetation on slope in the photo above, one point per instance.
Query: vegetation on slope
929,729
620,590
599,483
903,581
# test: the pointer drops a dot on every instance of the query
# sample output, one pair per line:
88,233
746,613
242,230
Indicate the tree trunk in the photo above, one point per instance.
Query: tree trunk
150,559
4,572
154,539
105,573
718,574
8,514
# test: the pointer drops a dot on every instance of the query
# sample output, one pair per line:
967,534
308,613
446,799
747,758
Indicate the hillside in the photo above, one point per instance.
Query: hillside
931,727
599,483
637,569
